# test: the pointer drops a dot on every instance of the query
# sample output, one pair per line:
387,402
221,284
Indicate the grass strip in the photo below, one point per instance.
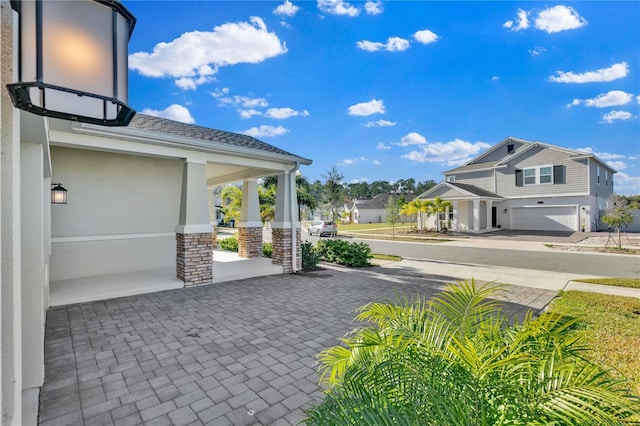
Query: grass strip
618,282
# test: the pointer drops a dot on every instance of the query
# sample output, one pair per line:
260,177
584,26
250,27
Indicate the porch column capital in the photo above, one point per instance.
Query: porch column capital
194,203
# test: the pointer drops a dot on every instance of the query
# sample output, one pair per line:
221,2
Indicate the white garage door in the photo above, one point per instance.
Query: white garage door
544,218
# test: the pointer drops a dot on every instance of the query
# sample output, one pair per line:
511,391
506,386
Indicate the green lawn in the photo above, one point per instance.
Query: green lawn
610,328
619,282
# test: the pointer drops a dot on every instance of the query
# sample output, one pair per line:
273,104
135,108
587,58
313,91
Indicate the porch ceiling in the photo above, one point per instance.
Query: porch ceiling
220,173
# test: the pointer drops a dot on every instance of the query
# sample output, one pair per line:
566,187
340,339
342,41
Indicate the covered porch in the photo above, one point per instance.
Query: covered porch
473,209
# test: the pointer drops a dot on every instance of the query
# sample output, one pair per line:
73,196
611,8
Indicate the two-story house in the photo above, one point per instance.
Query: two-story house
525,185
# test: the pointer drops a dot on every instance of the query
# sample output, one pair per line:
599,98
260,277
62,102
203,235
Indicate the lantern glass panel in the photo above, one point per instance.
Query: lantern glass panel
77,42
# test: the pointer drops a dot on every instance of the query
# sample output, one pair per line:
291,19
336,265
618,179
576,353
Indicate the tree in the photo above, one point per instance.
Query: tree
618,214
423,208
409,210
437,206
267,200
423,187
231,202
304,192
359,190
333,191
458,360
393,214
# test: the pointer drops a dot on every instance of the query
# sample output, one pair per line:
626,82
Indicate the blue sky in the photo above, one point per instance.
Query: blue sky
396,89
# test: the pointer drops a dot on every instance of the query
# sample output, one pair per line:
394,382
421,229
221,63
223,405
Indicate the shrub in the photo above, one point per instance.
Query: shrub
458,360
310,257
267,249
344,253
230,244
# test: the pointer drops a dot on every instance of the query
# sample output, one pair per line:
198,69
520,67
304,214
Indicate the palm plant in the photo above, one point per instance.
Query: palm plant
423,209
409,210
437,206
456,360
231,202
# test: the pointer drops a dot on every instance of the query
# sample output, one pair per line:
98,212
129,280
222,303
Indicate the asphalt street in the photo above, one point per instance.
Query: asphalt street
624,266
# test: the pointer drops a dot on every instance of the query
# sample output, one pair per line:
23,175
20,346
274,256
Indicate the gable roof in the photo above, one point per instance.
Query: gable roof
476,164
469,191
380,200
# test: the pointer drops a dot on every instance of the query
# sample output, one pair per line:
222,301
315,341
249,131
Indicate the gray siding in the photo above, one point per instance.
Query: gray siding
575,174
501,152
483,179
601,190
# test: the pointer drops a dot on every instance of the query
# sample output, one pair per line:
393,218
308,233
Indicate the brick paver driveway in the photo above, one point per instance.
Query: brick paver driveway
237,353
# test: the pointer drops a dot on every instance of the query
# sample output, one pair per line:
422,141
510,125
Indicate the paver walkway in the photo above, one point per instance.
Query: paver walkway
235,353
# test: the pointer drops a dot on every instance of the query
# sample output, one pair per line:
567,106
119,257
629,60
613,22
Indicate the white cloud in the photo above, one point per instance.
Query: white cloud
194,57
286,9
265,131
638,98
374,106
379,123
351,161
376,162
393,44
604,100
627,185
412,138
521,22
425,36
602,155
453,153
373,7
338,7
559,18
284,113
382,146
172,112
538,50
614,72
364,179
248,113
612,116
495,78
617,165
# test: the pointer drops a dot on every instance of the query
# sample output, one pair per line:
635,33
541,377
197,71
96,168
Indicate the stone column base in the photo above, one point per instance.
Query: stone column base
250,242
281,243
194,258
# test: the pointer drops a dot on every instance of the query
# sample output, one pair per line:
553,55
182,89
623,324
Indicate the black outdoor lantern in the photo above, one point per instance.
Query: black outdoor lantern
58,194
72,60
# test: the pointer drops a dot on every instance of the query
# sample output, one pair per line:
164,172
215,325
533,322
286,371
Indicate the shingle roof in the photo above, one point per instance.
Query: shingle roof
380,200
470,167
163,125
473,189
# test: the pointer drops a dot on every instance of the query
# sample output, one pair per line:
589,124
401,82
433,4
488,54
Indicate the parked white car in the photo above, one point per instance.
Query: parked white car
322,227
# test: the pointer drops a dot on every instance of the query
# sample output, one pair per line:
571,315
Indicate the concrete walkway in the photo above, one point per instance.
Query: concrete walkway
234,353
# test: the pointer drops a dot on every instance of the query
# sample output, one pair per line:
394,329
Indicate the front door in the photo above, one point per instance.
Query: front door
494,217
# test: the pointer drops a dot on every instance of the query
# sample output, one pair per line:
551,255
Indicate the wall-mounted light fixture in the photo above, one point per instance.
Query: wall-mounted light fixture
58,194
72,60
505,210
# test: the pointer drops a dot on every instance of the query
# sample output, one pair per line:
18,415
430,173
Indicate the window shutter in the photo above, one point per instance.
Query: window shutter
518,177
558,174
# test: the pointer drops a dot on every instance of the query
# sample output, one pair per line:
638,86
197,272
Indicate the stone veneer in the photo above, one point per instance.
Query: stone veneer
250,242
194,258
281,243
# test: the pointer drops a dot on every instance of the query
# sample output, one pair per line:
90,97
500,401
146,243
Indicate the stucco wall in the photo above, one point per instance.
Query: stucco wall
121,213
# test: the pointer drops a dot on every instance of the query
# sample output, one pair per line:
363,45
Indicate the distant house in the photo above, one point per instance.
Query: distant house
375,209
525,185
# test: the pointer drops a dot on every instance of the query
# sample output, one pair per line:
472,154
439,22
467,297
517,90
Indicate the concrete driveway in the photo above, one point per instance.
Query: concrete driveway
234,353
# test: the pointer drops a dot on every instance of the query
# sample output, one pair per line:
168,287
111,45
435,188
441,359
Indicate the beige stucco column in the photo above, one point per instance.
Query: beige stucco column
476,215
250,225
489,204
194,255
285,229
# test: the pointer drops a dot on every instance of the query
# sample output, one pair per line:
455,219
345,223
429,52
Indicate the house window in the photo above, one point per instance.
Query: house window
529,176
606,178
510,148
451,179
546,174
598,174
